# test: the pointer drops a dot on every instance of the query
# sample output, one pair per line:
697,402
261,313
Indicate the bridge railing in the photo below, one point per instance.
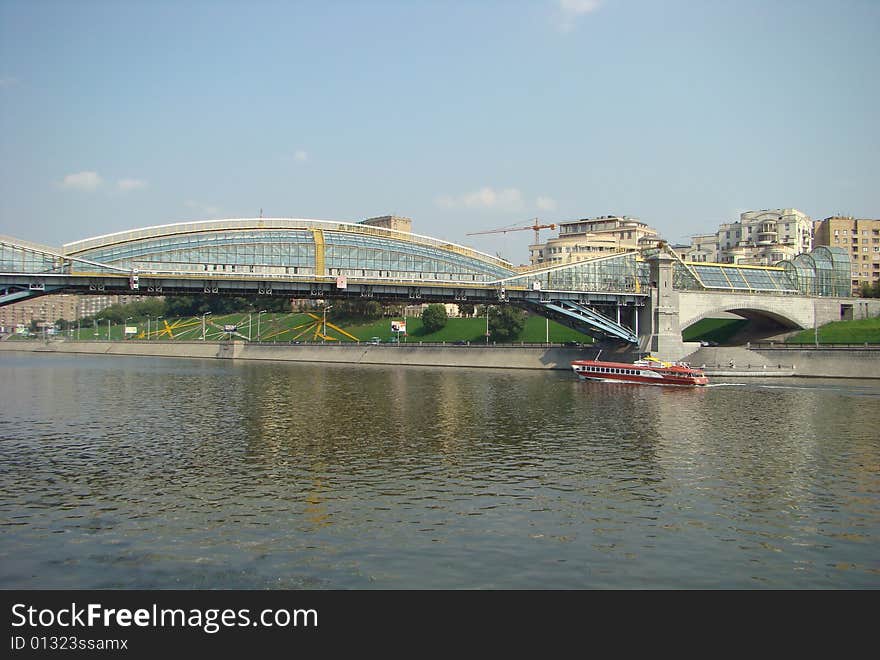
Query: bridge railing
765,345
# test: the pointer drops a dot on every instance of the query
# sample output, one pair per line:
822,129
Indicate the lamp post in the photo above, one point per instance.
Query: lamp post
124,334
487,324
203,324
259,316
157,325
325,322
148,327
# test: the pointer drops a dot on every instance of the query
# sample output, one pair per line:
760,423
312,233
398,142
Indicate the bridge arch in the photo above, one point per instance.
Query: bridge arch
763,321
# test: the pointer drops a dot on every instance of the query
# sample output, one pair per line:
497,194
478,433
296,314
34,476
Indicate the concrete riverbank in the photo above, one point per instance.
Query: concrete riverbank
783,360
448,355
719,361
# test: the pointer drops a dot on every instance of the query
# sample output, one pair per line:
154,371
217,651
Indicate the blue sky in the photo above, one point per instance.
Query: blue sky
465,116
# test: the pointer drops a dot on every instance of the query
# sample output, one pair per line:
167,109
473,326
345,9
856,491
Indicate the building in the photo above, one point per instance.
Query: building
398,223
758,238
592,237
860,238
414,311
703,248
46,310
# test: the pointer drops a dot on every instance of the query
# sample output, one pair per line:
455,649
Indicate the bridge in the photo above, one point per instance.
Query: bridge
636,299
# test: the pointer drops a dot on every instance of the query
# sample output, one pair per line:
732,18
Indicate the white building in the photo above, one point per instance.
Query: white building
757,238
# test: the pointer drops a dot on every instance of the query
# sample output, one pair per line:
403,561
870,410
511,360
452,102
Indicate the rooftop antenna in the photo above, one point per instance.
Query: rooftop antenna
261,214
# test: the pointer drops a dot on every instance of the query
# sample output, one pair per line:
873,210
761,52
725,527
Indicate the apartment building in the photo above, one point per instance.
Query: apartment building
860,237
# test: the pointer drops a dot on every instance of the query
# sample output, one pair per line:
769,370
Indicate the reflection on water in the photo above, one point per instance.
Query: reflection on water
155,473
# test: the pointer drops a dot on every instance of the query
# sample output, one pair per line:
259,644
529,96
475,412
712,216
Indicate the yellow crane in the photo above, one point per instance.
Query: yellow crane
535,227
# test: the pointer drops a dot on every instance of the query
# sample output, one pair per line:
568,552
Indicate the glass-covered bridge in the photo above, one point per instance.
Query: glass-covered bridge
321,259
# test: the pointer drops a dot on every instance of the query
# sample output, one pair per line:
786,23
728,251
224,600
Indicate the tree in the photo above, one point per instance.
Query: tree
356,309
196,305
466,309
506,322
434,318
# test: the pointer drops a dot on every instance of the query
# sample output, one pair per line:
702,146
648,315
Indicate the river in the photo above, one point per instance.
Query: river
156,473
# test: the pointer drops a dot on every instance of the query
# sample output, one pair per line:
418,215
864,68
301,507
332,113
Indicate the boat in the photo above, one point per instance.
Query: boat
647,370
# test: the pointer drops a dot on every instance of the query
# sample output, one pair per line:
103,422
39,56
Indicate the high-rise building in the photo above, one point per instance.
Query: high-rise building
592,237
45,310
860,237
51,308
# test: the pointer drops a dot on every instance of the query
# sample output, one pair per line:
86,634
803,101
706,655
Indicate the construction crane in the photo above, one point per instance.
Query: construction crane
535,227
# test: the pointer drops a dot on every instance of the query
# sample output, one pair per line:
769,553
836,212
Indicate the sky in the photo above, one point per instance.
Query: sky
464,116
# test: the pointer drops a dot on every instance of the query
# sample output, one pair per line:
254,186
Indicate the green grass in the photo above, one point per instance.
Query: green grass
842,332
717,330
472,330
301,327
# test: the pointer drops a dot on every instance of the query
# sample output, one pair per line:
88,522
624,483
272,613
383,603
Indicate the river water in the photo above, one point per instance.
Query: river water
155,473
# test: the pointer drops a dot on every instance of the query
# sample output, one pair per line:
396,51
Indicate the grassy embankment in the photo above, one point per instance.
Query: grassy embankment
302,327
717,330
839,332
842,332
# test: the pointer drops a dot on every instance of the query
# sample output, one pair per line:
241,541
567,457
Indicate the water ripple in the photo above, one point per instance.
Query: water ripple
141,473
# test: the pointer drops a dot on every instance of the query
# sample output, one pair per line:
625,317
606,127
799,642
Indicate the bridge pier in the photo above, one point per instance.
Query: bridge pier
658,328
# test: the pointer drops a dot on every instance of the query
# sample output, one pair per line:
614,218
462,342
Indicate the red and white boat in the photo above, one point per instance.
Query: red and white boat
648,370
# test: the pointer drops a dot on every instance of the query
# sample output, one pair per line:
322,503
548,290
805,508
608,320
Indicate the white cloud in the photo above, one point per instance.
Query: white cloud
300,156
508,199
571,10
546,203
125,185
87,181
202,209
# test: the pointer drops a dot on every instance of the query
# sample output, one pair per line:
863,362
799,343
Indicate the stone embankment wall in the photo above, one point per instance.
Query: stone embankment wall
506,357
822,362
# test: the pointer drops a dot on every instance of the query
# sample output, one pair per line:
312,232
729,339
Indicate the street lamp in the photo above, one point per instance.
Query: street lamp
148,327
259,316
487,324
325,322
157,325
124,334
203,324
